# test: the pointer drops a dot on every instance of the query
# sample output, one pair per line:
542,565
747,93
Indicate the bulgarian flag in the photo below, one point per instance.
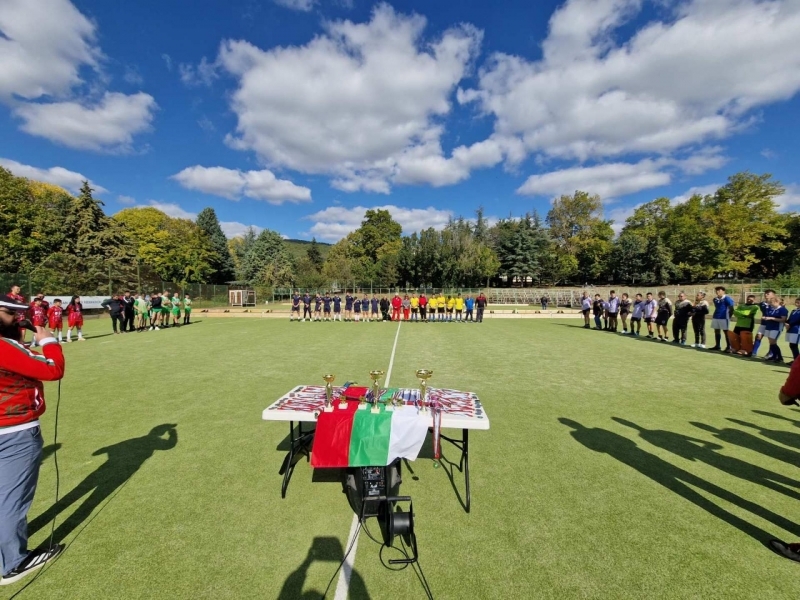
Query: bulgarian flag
350,437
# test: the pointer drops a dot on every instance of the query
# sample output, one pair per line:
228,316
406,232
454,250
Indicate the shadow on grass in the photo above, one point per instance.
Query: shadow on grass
787,438
124,459
737,437
48,451
328,550
677,480
703,451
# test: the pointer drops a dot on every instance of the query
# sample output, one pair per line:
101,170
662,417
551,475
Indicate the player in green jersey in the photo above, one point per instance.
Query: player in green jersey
166,309
142,309
187,309
176,310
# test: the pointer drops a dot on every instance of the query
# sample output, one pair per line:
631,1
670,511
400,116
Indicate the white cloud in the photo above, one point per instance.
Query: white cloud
233,229
167,61
335,222
107,125
676,82
126,200
301,5
44,44
171,210
132,76
203,74
608,180
789,201
205,124
769,154
232,184
48,47
702,190
60,176
359,102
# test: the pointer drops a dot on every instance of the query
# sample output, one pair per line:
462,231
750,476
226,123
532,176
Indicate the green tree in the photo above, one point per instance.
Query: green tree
221,259
743,217
267,262
315,255
627,263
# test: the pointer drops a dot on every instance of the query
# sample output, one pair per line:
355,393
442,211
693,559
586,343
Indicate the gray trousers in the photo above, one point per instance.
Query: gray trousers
20,455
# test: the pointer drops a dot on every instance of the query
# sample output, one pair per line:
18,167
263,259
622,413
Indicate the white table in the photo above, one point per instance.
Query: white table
303,404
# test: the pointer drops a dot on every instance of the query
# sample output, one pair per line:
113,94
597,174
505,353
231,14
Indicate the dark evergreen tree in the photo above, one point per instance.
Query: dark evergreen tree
314,255
221,259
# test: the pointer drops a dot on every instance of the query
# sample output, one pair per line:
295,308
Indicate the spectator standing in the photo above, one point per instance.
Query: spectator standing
481,302
397,304
127,311
683,312
116,307
385,305
423,307
788,396
545,301
699,313
469,306
21,375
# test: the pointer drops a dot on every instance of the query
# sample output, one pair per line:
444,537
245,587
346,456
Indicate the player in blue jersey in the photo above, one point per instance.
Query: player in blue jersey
365,308
374,307
306,306
356,310
295,307
793,330
318,307
326,306
774,318
337,308
348,306
763,305
721,318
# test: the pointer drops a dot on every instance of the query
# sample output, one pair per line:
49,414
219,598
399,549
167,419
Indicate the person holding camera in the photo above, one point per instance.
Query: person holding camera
21,404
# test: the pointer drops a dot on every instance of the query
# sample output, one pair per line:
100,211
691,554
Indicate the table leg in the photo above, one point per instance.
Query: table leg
298,444
463,464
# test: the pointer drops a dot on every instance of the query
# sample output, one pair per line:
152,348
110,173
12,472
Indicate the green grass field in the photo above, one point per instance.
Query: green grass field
614,467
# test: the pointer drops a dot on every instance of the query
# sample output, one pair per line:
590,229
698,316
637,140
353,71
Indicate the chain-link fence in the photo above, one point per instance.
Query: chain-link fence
203,295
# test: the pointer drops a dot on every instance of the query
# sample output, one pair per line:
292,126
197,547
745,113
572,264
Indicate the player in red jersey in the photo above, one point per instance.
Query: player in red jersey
55,319
37,315
75,318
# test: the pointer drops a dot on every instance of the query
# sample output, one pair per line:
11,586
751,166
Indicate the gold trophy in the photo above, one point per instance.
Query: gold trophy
423,375
376,390
329,392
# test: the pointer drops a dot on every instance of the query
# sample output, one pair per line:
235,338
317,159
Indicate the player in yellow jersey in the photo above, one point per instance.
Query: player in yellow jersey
441,307
459,307
451,304
414,307
432,308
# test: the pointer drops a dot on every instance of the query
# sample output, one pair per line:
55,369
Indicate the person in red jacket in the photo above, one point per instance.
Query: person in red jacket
21,404
789,395
396,304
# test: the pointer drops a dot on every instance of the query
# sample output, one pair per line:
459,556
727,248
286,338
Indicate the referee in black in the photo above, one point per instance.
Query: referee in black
127,311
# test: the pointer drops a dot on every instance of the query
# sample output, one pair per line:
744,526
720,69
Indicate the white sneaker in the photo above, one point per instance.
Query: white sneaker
81,339
158,329
701,346
694,345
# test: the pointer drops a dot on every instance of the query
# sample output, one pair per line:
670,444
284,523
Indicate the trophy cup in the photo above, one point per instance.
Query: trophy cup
376,390
329,392
423,375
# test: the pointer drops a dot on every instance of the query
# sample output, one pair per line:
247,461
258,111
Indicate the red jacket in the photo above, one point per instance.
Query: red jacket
21,376
792,386
397,302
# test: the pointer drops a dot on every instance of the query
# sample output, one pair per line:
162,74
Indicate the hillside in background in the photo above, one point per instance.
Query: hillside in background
298,248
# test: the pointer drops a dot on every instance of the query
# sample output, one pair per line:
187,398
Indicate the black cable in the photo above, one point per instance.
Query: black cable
420,575
346,554
58,484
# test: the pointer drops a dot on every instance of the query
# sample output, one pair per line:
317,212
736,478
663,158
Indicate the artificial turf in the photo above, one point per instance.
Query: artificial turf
614,467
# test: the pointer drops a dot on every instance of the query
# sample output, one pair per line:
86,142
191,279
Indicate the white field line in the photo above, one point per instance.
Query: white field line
343,585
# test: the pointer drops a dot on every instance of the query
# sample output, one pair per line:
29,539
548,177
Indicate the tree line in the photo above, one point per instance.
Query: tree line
69,243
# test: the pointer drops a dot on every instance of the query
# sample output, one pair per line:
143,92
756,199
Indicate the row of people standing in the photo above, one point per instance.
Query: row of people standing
416,308
656,314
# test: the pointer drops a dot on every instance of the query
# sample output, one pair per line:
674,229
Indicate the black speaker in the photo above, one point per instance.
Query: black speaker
367,486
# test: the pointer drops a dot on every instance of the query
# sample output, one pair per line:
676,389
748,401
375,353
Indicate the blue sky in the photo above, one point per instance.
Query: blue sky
296,115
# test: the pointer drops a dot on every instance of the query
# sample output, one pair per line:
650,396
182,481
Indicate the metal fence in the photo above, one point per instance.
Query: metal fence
203,295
